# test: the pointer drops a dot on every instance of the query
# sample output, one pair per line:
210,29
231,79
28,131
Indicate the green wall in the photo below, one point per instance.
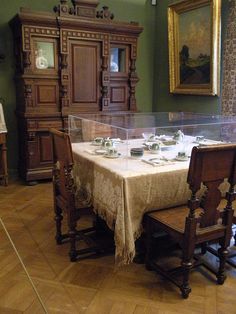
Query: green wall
163,100
152,65
127,10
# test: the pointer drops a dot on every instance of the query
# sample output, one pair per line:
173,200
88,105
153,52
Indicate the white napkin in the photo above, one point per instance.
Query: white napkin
3,127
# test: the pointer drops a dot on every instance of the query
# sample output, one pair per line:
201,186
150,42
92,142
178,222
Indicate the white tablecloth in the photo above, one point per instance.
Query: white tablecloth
123,189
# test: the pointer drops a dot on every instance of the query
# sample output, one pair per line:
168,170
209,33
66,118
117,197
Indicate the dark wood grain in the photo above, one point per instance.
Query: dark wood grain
200,221
79,81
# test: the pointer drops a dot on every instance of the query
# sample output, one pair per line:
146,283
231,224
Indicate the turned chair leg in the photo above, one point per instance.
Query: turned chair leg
203,248
185,288
72,252
221,276
58,220
148,253
186,265
72,236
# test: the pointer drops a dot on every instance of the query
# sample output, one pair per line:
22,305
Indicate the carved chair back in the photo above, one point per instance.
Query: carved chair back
211,166
63,165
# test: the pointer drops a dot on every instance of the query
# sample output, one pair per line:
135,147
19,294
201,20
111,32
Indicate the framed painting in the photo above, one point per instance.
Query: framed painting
194,30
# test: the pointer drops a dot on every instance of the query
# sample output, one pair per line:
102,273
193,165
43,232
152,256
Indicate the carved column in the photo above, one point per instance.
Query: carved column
64,72
64,80
133,80
62,8
26,60
28,95
105,84
105,74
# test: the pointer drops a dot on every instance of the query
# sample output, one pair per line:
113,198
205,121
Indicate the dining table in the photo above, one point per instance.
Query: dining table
122,189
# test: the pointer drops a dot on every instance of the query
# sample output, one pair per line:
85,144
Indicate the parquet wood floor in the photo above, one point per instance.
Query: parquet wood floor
90,286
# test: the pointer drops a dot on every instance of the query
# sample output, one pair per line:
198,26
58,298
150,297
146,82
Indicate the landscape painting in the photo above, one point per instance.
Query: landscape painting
194,46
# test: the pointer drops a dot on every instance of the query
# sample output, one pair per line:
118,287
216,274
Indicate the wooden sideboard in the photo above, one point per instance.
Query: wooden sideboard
76,60
3,159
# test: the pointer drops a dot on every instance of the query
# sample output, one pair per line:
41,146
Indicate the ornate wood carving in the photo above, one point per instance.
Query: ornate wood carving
85,8
105,84
210,201
133,79
29,31
105,14
31,136
63,8
28,95
77,80
69,181
64,80
26,59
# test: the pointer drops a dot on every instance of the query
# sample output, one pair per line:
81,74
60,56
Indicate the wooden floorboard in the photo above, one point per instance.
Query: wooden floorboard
90,286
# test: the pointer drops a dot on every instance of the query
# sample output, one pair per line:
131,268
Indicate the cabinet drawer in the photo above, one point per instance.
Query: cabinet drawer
49,124
43,125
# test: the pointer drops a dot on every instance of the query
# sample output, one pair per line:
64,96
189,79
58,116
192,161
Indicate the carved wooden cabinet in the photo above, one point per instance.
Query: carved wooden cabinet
72,61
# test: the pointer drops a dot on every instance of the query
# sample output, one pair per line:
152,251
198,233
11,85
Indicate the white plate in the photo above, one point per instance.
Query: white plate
96,144
112,156
168,147
100,151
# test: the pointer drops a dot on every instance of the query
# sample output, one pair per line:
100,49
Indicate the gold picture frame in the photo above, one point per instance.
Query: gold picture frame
194,31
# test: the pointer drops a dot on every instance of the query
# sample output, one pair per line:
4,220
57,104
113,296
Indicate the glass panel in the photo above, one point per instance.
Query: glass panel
117,60
44,55
169,135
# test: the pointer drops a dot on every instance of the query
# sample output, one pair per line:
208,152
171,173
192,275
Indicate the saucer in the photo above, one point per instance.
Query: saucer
96,144
181,158
100,151
154,151
112,156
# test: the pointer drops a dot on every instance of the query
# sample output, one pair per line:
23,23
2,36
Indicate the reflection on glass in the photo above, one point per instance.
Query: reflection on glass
117,60
44,55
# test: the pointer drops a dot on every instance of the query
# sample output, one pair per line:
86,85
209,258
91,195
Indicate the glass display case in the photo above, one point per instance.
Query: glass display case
152,138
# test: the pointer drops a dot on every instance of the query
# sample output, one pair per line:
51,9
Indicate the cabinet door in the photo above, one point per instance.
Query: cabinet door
40,151
119,77
85,75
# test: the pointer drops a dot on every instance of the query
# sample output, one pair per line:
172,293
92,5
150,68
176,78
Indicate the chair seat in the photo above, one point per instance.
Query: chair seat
174,218
189,227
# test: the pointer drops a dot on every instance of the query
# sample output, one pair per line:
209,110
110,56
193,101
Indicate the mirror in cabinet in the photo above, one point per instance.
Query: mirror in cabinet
118,59
119,77
45,54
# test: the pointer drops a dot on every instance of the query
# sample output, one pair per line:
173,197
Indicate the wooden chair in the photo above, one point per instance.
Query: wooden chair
64,198
233,253
198,222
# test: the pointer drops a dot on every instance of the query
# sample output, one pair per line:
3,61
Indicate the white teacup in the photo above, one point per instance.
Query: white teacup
179,136
98,140
152,138
107,144
112,151
147,135
154,148
199,138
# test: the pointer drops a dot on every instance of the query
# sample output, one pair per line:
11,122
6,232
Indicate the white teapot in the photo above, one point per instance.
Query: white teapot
179,136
